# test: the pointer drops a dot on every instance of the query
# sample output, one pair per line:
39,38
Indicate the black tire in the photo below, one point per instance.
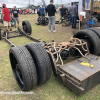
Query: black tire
0,35
44,21
42,61
56,22
39,20
23,68
27,27
92,40
66,18
12,22
96,30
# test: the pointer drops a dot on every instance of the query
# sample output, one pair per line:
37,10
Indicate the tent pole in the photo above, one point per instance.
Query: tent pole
79,22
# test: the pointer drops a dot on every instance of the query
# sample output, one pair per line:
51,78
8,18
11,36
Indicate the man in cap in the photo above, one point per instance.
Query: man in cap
51,13
6,17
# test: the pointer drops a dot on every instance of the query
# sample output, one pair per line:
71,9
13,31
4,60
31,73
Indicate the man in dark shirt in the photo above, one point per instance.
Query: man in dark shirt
34,10
15,15
62,13
51,13
73,10
38,11
46,10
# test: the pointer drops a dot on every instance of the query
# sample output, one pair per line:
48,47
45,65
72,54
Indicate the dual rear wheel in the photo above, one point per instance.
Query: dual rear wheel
31,65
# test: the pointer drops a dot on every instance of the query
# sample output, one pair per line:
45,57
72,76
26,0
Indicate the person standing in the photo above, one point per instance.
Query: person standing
42,9
0,13
51,15
73,9
46,10
22,11
6,17
34,10
0,9
63,13
57,10
38,11
70,19
15,15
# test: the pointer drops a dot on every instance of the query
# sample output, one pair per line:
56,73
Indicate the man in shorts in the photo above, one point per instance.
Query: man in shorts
6,17
15,15
63,13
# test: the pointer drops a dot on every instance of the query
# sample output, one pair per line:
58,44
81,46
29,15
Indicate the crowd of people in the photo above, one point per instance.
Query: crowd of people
50,9
14,13
63,11
6,15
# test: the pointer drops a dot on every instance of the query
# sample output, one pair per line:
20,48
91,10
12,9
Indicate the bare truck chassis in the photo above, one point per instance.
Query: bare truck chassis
39,58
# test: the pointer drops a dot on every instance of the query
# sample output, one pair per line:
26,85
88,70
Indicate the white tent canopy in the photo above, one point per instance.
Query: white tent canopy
12,6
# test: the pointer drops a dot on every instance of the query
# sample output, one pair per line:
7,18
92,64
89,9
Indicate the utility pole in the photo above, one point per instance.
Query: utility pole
33,2
29,3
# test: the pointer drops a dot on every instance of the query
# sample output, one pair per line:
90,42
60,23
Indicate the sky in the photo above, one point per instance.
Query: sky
26,2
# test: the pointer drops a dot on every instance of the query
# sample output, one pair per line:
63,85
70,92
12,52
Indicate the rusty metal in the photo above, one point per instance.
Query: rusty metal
77,77
80,78
69,77
54,65
31,38
10,43
19,33
14,36
55,48
10,32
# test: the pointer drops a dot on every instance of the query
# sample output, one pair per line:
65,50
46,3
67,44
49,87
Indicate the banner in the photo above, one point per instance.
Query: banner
87,4
43,3
80,6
